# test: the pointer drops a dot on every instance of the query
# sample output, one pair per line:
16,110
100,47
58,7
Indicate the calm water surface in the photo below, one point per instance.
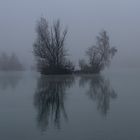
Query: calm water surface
105,107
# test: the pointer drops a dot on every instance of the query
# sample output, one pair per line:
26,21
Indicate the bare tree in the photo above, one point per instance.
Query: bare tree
100,55
49,48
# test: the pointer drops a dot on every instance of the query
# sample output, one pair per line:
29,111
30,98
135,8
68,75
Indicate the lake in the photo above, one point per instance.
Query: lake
86,107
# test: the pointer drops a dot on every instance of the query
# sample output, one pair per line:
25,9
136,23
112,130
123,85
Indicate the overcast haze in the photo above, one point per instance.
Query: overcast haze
84,19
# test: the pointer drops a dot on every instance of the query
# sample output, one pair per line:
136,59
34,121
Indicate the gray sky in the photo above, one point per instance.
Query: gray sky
84,19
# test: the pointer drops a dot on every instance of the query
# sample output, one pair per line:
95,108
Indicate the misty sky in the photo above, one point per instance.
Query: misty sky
84,19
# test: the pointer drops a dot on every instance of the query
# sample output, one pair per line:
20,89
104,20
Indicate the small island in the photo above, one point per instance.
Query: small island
51,54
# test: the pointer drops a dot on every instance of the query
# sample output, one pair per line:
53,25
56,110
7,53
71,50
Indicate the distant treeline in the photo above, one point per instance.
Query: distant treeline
10,62
51,55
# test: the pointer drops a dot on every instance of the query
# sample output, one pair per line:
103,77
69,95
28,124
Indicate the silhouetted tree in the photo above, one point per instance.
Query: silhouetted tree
99,55
49,100
99,91
49,49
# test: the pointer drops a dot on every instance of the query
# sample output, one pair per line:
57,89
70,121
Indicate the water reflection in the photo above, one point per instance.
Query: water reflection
9,80
49,100
99,90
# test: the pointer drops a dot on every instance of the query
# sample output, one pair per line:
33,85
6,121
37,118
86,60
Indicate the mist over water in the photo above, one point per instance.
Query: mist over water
78,106
65,107
84,19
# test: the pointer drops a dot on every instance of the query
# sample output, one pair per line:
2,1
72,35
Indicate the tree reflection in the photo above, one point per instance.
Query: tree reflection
9,80
99,91
49,99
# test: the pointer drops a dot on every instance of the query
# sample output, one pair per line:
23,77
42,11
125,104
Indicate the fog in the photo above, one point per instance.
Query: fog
84,20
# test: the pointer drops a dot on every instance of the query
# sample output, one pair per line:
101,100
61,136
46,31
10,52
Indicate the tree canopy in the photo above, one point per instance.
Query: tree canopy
99,55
